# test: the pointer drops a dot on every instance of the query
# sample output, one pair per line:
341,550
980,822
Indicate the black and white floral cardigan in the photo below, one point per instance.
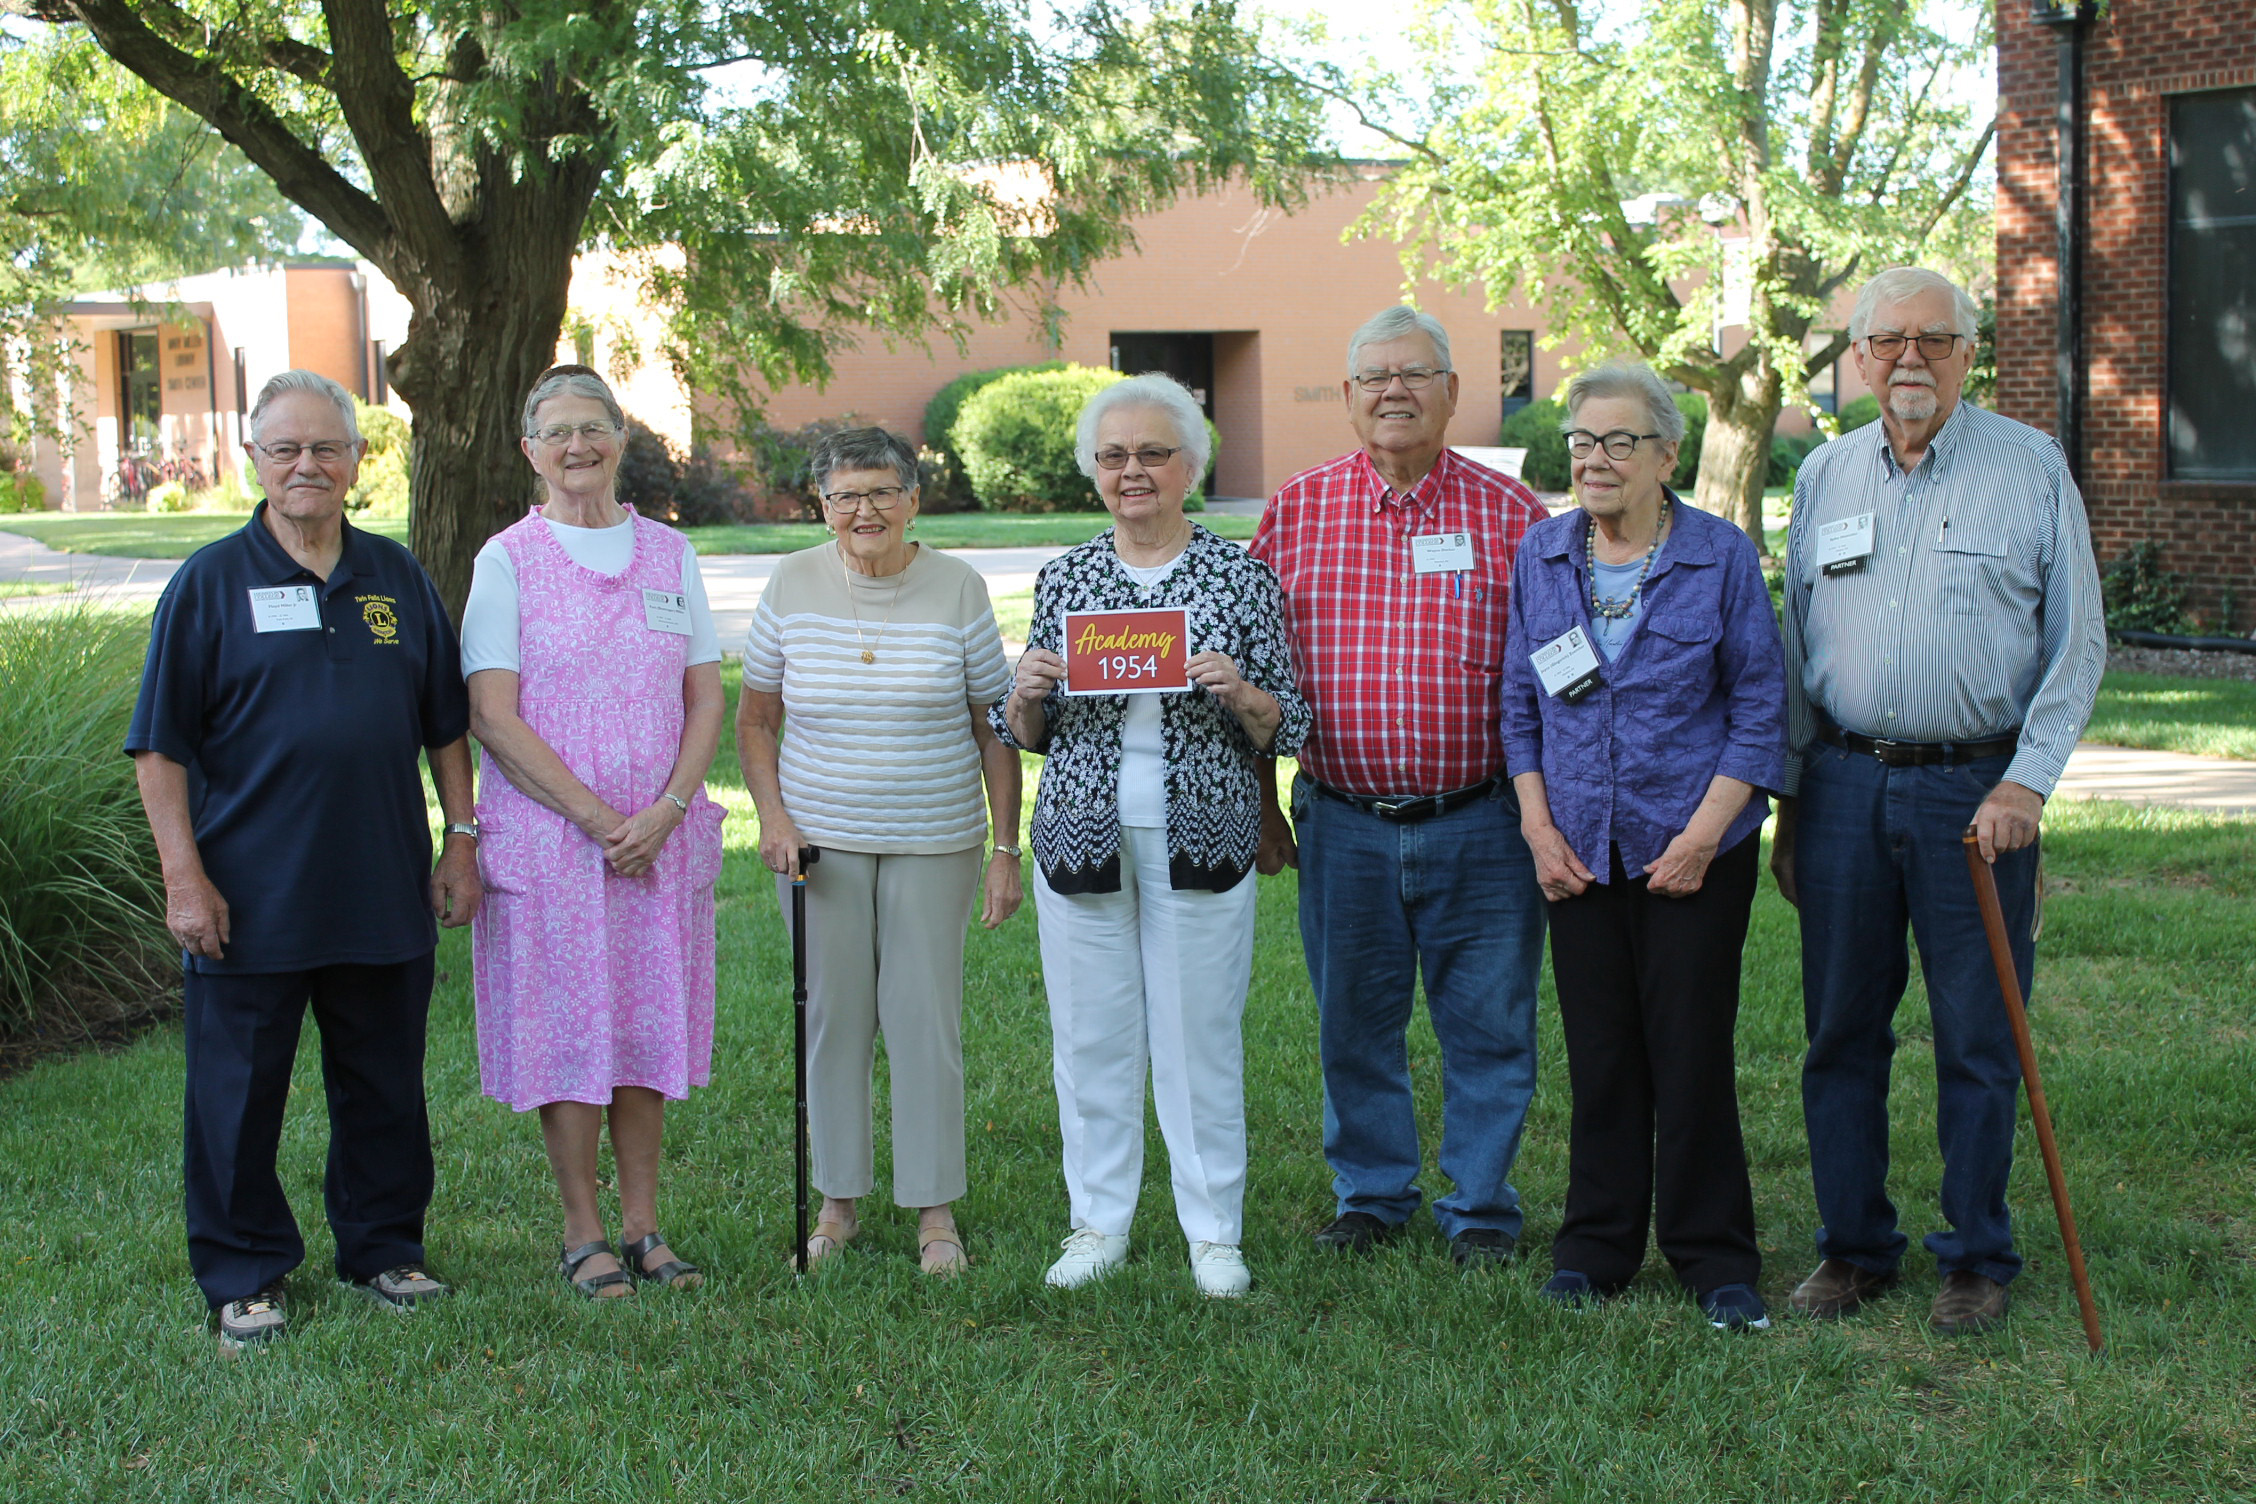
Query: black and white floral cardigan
1213,802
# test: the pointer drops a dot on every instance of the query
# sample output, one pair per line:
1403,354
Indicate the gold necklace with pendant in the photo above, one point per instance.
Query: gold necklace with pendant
869,654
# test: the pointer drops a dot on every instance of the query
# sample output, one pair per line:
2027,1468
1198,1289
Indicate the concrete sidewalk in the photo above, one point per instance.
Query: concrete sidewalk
2215,785
111,579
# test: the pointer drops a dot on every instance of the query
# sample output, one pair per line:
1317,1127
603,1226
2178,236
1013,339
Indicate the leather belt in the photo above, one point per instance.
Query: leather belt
1407,807
1917,754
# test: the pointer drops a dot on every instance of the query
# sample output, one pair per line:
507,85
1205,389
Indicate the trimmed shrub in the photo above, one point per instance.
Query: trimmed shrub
169,496
948,488
1787,451
1866,409
1535,428
21,493
1016,438
2140,594
1695,410
648,472
81,895
381,490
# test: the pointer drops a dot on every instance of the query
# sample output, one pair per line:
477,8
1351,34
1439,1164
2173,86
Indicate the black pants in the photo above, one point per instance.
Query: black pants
242,1037
1649,998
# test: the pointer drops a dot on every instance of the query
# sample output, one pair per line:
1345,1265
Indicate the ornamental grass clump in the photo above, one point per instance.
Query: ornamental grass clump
82,938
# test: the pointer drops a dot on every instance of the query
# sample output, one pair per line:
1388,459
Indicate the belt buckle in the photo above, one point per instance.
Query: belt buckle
1883,749
1402,809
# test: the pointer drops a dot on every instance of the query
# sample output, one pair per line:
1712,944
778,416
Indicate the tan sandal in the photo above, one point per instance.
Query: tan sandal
829,1237
930,1238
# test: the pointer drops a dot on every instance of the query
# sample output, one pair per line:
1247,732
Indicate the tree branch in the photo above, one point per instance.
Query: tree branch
378,103
207,90
1959,184
1876,45
1355,105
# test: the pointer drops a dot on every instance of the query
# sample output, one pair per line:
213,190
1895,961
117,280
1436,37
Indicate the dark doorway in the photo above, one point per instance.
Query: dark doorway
140,392
1189,358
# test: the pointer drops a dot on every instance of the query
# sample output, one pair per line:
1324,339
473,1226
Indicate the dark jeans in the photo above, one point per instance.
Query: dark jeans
1451,900
242,1037
1648,1000
1878,848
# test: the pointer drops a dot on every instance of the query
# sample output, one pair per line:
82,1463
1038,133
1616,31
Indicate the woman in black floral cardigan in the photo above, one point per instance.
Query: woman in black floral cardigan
1144,835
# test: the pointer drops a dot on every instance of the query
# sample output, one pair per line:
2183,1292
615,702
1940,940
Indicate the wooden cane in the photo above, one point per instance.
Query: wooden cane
807,856
2009,983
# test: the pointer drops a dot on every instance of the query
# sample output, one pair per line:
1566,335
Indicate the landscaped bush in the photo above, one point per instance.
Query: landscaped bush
1016,435
81,897
170,496
381,490
1535,428
1866,409
1695,410
21,493
2140,594
949,489
1787,451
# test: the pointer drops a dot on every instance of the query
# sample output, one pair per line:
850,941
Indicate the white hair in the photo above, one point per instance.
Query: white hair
570,381
1394,323
1153,390
1898,283
1628,378
304,381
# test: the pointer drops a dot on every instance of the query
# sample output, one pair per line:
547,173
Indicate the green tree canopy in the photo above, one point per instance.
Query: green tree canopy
859,173
1787,150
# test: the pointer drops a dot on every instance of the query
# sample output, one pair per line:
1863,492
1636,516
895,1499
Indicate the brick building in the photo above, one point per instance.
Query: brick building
2167,409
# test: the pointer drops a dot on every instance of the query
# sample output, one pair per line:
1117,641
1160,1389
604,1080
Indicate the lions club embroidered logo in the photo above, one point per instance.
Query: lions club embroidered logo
383,621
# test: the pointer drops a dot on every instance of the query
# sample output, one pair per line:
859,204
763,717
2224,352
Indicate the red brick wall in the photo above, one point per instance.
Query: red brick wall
2135,58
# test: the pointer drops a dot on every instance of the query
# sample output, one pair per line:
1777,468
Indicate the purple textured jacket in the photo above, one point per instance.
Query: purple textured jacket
1699,689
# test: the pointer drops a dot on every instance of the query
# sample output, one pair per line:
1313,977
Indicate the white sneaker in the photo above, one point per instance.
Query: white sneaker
1220,1270
1089,1255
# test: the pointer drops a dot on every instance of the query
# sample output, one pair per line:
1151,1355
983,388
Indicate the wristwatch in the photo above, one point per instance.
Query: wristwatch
463,828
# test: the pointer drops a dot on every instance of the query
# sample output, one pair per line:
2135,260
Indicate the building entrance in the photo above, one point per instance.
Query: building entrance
1189,358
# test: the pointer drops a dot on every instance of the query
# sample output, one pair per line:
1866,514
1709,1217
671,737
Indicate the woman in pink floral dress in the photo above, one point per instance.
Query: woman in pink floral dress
595,689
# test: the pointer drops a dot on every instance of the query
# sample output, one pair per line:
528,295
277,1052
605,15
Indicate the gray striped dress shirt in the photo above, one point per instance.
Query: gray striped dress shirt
1978,611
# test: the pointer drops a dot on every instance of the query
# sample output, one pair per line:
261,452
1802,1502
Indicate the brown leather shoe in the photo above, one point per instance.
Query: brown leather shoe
1837,1287
1967,1302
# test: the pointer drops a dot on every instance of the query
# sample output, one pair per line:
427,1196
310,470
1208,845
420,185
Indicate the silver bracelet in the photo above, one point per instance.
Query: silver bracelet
1015,853
679,802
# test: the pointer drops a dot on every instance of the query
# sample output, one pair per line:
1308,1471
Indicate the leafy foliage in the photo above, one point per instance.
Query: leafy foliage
2140,594
1016,436
1642,167
949,481
1535,428
381,490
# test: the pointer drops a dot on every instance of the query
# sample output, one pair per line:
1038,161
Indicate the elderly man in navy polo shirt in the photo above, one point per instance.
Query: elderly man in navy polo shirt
295,670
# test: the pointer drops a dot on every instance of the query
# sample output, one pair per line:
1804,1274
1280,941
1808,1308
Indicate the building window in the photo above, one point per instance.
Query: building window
1825,386
141,391
2212,355
1516,369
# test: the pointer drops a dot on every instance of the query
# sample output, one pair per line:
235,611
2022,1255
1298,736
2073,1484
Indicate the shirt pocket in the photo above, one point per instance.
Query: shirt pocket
1675,662
1476,609
1969,571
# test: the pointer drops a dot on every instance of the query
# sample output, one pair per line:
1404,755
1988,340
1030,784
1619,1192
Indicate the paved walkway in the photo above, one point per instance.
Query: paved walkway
734,583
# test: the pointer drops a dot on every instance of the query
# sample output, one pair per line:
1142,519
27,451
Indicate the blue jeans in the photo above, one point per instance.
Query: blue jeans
1453,897
1877,848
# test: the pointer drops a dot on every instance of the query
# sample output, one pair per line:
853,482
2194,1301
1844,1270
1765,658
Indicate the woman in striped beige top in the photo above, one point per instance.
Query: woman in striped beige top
863,731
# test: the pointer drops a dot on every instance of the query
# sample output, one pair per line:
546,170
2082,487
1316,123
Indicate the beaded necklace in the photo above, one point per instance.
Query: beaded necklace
1613,610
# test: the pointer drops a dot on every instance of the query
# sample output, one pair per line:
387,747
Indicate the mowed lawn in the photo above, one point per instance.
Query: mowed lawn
1400,1378
143,535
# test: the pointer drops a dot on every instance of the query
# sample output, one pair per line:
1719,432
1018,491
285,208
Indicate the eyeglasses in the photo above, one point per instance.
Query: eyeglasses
325,453
883,499
1931,346
557,435
1151,458
1416,378
1619,445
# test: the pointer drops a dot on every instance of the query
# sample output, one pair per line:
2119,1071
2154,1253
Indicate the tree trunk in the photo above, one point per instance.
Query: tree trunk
1735,452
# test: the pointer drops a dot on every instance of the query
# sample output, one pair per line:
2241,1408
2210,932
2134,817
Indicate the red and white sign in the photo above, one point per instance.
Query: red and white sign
1127,652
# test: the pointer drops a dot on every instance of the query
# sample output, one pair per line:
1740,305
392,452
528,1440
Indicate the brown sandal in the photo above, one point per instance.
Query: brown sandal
929,1238
832,1236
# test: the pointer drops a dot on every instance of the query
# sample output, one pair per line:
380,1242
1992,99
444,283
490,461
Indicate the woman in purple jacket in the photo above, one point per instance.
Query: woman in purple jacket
1644,717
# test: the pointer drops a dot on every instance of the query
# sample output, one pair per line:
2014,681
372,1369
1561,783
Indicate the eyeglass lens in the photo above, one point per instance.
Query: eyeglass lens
1117,459
883,499
1416,378
1932,346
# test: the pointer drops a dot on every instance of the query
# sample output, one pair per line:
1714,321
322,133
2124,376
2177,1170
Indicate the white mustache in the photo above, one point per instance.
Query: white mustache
1911,378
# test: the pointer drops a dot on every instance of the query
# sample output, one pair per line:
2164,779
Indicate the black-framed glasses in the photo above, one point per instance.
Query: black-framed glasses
1619,445
557,435
1931,346
1151,457
883,499
326,452
1416,378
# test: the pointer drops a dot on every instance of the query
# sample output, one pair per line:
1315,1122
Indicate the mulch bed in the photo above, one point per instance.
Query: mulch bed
2183,663
83,1018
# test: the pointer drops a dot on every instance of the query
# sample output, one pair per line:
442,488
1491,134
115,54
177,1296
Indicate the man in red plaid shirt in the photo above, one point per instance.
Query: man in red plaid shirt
1395,561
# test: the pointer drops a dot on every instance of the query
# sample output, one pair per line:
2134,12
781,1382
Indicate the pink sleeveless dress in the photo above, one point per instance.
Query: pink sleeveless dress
587,980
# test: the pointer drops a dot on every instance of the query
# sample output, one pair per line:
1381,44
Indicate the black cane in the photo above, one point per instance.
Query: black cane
807,857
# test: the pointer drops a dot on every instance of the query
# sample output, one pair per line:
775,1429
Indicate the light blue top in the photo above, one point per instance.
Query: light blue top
1977,612
1615,582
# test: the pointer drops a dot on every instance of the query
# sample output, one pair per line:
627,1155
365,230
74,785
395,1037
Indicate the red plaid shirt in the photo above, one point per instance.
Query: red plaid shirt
1404,671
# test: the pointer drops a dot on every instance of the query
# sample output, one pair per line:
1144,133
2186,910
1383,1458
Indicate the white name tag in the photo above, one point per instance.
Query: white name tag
1844,545
1567,665
1441,553
285,608
666,611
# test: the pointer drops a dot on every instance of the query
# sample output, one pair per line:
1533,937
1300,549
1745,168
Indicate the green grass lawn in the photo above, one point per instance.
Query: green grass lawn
2211,717
1399,1378
19,589
141,535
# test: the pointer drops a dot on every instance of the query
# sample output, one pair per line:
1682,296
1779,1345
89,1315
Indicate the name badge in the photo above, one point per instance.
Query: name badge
1441,553
665,611
1844,545
285,608
1567,665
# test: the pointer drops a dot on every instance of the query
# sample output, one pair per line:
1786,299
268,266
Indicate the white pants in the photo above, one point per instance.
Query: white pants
1149,974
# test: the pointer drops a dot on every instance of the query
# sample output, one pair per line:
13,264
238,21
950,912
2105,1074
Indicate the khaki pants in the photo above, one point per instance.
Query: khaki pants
885,945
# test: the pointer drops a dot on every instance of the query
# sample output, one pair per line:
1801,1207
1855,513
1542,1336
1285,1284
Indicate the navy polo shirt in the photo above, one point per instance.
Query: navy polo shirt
301,745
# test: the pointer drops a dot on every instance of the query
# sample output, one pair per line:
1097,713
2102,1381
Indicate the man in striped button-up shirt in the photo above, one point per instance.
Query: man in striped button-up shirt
1944,643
